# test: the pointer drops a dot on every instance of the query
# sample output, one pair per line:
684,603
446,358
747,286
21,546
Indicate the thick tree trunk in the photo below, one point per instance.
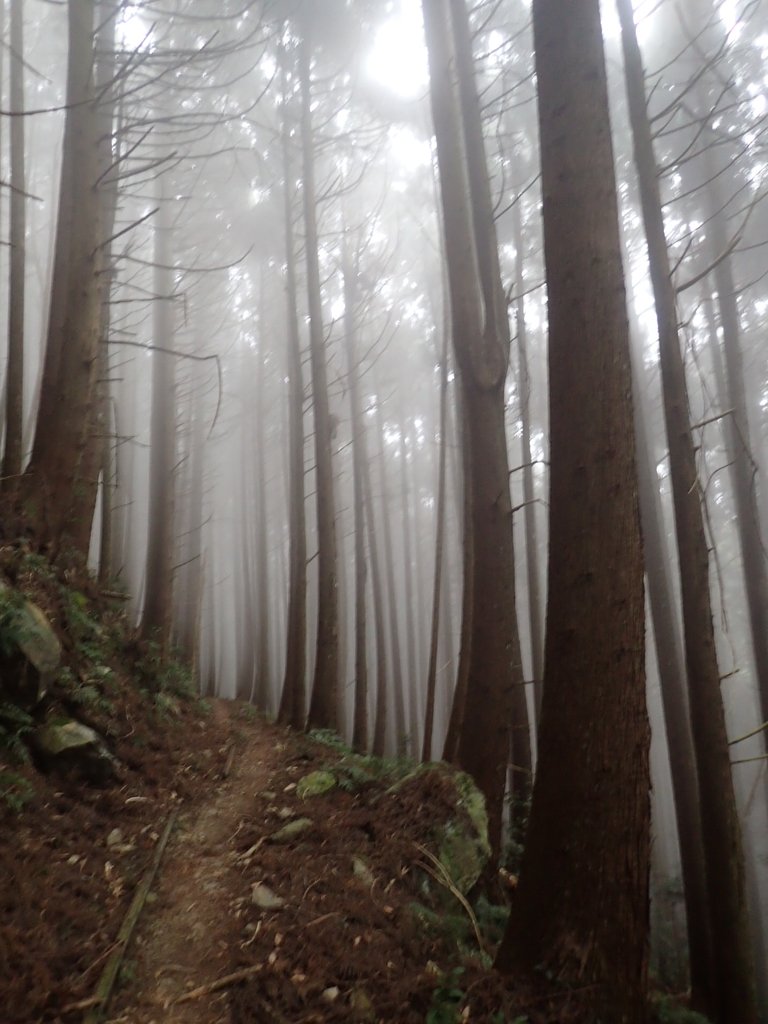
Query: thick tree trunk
732,987
54,484
323,710
590,814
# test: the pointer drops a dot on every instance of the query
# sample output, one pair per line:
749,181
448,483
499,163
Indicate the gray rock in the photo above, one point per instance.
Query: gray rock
30,653
291,830
264,898
72,746
361,871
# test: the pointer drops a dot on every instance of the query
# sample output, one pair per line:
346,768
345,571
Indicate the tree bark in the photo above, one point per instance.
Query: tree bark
590,814
292,710
359,458
323,711
481,343
398,690
732,989
437,582
157,614
529,494
14,380
53,486
671,667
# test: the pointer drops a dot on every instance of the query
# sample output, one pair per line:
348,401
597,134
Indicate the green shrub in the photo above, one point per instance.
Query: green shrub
15,791
14,724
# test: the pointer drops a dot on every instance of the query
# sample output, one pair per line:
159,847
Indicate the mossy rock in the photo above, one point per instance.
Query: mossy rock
72,746
462,852
291,831
461,842
30,652
315,784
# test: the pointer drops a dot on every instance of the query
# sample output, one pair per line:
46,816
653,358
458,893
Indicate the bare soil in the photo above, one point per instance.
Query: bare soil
361,932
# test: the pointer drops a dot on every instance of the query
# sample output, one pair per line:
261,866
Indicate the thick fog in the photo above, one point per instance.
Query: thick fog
216,115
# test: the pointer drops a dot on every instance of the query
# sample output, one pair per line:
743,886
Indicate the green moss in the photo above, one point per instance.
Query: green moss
315,784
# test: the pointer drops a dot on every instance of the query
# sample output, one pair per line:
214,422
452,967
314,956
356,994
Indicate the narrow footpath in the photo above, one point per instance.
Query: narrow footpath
182,944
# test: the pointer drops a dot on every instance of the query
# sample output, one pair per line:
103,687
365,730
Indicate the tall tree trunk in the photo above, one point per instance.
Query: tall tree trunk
54,485
535,625
437,582
409,529
323,710
590,814
398,690
733,978
14,380
671,667
359,458
456,717
481,344
156,618
746,478
292,710
97,460
380,721
260,695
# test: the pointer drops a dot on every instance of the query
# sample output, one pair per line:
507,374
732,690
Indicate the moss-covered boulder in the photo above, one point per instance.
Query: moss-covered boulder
464,849
70,746
30,652
315,784
460,838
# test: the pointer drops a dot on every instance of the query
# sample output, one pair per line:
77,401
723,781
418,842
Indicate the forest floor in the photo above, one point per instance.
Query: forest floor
334,923
272,876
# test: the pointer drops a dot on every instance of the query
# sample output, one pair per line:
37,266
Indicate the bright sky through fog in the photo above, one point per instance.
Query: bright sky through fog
398,59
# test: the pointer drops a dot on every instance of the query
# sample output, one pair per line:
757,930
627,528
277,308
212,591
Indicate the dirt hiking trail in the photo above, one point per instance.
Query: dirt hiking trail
183,940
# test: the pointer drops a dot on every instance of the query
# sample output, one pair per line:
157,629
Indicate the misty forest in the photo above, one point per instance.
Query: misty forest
383,511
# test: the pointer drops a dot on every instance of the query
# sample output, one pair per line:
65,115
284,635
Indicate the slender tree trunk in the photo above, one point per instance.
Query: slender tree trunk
535,624
189,591
733,978
292,710
401,726
456,718
156,619
590,814
260,694
378,746
323,711
14,380
746,477
359,458
481,343
437,582
409,528
671,666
